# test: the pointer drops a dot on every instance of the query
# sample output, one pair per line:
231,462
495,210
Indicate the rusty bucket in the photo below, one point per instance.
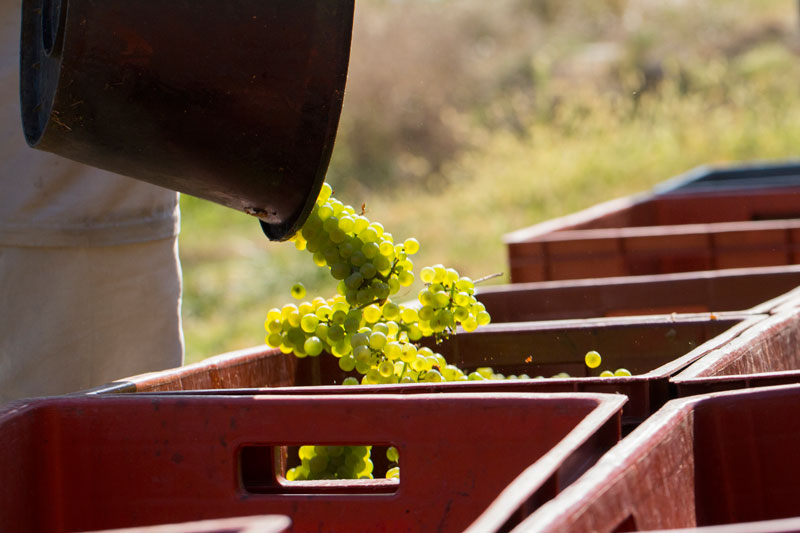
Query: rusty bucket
236,102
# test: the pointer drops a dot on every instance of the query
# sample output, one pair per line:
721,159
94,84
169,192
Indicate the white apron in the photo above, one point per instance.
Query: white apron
89,276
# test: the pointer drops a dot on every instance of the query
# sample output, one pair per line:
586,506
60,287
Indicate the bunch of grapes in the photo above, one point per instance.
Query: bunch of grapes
359,253
377,342
361,326
332,462
448,300
340,462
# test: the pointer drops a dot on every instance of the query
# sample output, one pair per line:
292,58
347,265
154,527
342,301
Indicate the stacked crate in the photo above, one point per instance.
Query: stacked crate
690,287
719,455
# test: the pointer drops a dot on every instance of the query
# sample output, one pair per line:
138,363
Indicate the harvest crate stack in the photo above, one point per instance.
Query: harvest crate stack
688,227
710,458
690,287
725,461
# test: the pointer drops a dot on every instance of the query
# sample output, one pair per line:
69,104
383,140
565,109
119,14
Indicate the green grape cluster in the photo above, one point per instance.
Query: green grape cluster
447,301
361,254
340,462
361,326
332,462
378,342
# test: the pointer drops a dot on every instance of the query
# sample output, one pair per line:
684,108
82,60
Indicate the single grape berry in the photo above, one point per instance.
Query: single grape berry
592,359
392,455
313,346
411,246
298,291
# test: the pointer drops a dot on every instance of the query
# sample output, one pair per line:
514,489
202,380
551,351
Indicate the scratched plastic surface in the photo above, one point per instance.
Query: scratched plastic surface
767,354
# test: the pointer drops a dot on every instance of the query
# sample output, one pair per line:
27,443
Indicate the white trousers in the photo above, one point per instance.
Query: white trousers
74,318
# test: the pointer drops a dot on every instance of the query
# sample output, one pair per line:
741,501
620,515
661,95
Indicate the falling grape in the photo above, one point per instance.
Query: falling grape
592,359
298,291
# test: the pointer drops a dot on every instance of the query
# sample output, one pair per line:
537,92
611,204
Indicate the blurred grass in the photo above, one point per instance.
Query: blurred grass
604,102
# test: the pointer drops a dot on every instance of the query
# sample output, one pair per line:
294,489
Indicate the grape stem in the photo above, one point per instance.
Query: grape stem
391,271
479,280
487,278
405,366
376,301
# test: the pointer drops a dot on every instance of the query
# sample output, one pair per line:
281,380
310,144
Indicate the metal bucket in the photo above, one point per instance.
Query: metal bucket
236,101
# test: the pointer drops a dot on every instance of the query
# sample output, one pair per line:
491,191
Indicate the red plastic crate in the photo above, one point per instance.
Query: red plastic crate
756,290
80,463
662,233
767,354
652,348
722,458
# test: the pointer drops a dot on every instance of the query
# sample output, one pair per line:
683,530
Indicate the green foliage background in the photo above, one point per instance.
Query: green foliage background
466,119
